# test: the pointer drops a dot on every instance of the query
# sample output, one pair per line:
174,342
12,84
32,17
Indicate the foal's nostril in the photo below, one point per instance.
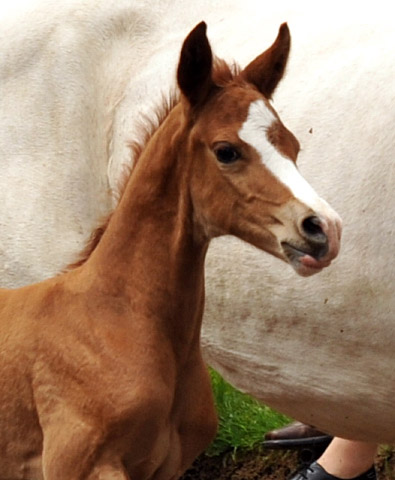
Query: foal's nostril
312,228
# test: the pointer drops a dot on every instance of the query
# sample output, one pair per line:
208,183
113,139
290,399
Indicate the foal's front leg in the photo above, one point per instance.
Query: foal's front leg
108,472
72,451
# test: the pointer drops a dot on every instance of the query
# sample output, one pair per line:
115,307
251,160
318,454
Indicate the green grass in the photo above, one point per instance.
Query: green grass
243,421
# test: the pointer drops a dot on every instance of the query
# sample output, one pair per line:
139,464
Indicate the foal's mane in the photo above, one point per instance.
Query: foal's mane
222,74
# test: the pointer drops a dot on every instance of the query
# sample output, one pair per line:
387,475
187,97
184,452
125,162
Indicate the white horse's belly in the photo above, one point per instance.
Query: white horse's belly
321,349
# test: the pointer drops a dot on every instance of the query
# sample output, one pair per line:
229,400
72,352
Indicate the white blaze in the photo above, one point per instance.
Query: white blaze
254,132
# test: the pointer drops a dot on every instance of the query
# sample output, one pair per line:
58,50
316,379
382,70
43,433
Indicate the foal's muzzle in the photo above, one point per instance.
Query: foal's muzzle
319,245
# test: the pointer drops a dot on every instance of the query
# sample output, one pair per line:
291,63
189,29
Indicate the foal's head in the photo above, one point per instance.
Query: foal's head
245,181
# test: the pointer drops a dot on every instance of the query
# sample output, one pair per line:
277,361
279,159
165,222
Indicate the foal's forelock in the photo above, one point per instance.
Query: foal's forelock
278,159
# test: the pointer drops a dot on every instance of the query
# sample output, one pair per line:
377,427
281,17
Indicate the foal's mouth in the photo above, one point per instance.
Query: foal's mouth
305,262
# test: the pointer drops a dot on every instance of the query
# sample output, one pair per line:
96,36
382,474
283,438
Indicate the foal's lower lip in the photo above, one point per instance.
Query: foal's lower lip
295,254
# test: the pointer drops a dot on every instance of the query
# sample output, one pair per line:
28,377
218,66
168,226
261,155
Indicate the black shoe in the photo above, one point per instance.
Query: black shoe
316,472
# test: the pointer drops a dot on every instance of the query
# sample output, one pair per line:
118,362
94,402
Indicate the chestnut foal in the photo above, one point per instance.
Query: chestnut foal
101,374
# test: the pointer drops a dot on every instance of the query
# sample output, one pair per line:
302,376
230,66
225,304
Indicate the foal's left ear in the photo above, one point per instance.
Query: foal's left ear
267,69
195,66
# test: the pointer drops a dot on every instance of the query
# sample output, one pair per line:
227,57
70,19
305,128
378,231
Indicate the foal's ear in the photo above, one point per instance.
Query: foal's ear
195,66
267,69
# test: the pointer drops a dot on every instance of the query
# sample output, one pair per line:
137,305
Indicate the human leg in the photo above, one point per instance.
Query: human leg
347,459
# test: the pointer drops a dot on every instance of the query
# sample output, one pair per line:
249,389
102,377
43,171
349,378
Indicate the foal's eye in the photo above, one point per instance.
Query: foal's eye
226,153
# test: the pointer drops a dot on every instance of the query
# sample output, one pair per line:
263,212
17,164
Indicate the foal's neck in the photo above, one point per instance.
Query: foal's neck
150,250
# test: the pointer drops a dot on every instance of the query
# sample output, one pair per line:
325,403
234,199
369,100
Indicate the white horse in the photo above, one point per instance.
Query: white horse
74,83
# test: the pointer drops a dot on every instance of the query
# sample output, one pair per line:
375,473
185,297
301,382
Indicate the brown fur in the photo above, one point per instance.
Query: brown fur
284,140
92,243
224,73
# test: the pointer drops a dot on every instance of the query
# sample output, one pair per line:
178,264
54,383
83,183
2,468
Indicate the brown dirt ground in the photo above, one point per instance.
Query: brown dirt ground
269,465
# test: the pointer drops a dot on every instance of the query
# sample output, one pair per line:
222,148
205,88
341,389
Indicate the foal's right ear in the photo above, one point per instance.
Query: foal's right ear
195,66
266,71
